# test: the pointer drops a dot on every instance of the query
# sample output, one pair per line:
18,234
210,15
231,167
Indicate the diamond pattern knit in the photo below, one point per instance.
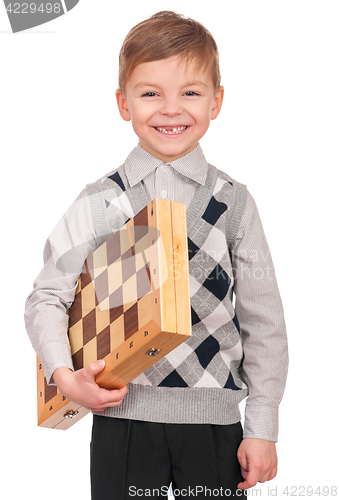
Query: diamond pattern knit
212,356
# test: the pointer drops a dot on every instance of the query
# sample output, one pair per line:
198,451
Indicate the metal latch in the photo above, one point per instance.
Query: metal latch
71,414
153,352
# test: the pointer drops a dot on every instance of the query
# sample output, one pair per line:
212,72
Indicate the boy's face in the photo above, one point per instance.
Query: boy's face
170,104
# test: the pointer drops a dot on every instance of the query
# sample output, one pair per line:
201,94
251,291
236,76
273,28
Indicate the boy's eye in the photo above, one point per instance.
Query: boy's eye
149,94
191,93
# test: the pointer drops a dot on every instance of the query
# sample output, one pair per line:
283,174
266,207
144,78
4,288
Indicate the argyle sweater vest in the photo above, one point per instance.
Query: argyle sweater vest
199,381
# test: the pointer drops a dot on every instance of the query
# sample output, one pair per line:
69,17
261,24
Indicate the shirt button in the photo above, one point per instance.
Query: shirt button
163,194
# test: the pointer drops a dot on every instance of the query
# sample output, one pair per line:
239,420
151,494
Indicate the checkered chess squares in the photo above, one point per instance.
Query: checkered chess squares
113,299
132,300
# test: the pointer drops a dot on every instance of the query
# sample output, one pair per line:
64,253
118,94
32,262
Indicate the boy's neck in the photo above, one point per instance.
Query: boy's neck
164,158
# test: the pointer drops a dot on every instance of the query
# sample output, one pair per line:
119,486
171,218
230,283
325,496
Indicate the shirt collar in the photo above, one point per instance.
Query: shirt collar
140,163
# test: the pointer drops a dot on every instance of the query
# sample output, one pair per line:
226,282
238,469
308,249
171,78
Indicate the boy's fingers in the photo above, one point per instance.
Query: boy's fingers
112,395
269,475
273,473
95,367
251,480
100,398
245,485
255,476
110,398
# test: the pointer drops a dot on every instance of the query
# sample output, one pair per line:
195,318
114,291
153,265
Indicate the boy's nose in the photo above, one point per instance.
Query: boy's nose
171,108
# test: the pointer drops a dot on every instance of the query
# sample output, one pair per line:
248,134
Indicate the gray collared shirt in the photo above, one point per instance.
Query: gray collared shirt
177,180
47,323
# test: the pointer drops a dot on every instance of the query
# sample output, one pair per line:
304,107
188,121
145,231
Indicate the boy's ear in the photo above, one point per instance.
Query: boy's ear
217,103
122,105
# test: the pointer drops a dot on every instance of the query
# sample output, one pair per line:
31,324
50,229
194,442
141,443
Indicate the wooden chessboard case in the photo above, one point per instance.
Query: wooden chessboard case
131,307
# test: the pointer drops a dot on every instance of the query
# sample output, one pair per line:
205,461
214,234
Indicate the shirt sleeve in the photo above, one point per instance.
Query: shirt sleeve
260,314
46,319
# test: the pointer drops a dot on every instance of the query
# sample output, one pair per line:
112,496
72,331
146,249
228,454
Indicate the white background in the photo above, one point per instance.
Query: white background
277,133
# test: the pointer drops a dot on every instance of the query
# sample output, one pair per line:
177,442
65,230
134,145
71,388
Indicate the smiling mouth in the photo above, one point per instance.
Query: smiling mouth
171,130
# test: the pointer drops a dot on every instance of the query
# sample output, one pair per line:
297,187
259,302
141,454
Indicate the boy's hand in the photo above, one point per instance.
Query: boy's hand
258,461
81,388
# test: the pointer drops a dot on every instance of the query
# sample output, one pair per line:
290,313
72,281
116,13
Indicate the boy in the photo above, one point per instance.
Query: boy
178,422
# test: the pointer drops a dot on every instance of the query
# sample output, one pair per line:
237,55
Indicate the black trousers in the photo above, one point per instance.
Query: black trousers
133,459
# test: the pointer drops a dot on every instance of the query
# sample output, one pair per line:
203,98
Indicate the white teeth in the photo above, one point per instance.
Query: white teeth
176,130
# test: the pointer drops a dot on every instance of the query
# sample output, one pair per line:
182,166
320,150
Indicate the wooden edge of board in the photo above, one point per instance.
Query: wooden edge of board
65,417
126,372
59,412
167,287
180,269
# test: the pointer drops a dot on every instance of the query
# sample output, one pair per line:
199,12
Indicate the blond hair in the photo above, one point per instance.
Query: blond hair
168,34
